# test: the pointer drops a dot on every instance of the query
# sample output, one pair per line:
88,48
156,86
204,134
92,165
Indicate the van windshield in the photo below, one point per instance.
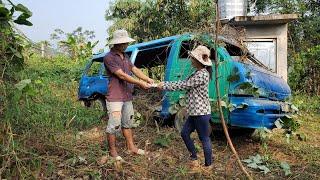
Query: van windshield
152,61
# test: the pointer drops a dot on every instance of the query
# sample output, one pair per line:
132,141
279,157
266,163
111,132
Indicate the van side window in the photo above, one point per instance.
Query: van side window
235,52
94,68
152,61
187,46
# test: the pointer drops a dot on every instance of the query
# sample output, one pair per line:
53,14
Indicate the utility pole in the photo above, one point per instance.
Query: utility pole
225,128
42,49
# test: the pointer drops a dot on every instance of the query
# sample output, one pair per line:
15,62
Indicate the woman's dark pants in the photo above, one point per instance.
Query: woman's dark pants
202,125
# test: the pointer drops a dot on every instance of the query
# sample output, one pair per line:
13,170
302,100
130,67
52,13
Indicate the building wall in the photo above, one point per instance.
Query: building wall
272,31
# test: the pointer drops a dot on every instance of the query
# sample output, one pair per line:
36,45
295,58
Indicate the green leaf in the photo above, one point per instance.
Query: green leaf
162,141
294,108
72,161
264,169
287,116
94,44
233,78
242,106
23,9
172,109
302,137
23,21
257,159
267,130
253,165
182,102
245,85
22,84
4,13
285,167
198,148
11,11
15,52
38,81
288,136
182,96
278,123
247,161
82,160
223,104
231,107
138,115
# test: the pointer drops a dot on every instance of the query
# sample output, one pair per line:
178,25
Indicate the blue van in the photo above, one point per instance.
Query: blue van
253,96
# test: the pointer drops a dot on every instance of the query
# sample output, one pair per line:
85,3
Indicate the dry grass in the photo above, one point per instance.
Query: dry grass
172,162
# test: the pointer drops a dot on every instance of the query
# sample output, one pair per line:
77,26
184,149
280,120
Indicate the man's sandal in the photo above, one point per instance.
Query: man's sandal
105,158
139,152
117,158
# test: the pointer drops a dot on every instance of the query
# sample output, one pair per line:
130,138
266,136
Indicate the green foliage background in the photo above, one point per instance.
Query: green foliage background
76,44
152,19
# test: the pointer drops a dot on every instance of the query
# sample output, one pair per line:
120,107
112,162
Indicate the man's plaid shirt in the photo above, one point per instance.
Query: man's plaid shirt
197,92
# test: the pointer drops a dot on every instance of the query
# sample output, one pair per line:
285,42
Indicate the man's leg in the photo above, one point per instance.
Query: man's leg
114,122
112,145
126,124
127,133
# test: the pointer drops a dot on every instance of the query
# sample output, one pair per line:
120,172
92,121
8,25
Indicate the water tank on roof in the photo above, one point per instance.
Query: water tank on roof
231,8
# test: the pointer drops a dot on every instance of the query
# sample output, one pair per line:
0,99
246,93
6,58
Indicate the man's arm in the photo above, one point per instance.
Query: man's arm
137,72
122,75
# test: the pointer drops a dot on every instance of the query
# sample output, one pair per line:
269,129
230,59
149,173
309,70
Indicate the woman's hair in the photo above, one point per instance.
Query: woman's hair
209,69
205,57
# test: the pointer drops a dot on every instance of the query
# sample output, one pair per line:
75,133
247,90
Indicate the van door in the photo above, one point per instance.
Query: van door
93,81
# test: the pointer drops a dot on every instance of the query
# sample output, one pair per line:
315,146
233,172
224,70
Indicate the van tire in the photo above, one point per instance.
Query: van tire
87,103
180,118
103,103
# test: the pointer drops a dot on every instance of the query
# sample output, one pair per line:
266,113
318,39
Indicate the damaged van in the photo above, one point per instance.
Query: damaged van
252,95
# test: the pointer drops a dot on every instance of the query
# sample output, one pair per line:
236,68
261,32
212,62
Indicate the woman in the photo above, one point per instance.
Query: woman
198,105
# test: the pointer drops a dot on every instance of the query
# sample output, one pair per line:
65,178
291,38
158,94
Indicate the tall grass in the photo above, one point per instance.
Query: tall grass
51,101
46,107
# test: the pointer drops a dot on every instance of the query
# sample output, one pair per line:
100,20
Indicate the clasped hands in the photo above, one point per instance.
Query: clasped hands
150,83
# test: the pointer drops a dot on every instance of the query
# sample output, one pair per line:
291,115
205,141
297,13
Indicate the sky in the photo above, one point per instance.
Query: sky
67,15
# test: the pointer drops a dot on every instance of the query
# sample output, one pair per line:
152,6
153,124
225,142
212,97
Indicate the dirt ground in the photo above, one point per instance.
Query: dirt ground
78,155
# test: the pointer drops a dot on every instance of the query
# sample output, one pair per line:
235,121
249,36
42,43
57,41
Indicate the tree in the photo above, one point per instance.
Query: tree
11,45
152,19
77,43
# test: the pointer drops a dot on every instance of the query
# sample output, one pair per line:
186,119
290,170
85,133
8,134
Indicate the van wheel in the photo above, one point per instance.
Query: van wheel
87,103
103,104
247,132
180,118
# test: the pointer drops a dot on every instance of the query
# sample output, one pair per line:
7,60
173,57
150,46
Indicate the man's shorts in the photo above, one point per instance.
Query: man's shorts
120,116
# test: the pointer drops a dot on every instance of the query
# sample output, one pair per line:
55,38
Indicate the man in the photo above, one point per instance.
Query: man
119,97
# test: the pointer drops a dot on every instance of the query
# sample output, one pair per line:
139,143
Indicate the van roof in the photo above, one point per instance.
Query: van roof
161,42
144,45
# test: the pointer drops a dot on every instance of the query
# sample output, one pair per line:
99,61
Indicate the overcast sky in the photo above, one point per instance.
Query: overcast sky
67,15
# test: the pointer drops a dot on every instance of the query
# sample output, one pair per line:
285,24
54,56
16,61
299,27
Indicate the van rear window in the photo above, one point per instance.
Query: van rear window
187,46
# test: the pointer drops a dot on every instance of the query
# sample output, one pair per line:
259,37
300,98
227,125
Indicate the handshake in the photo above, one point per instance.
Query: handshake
155,85
151,84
